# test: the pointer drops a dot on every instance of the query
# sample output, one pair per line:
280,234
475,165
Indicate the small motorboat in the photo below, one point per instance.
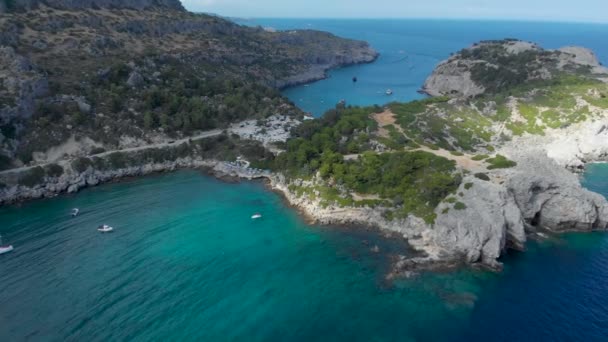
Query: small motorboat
389,92
75,212
105,228
256,216
5,248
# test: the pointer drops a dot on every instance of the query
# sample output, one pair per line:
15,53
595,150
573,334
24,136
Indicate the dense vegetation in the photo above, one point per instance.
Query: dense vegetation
497,69
118,73
412,182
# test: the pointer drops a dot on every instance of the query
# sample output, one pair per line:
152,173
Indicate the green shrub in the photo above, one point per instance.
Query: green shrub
457,153
500,162
81,164
5,162
32,177
99,163
480,157
117,160
98,150
482,176
460,206
53,170
468,186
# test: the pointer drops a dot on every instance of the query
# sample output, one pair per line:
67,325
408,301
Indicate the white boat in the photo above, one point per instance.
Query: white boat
389,92
5,248
105,228
75,212
256,216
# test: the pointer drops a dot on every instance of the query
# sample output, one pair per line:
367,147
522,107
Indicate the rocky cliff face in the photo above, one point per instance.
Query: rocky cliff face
81,4
493,66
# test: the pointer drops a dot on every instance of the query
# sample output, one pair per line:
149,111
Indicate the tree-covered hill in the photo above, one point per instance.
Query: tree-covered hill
135,72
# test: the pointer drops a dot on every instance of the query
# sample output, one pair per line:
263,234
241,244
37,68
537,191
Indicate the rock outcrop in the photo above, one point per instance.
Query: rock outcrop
491,66
480,232
72,181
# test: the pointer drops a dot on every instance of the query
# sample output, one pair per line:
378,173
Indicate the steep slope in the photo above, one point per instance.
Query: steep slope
101,74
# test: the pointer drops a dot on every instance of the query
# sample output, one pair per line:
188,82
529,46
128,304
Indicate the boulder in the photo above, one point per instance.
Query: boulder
135,80
83,106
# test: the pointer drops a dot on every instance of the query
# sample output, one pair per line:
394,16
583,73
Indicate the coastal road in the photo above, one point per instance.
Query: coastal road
203,135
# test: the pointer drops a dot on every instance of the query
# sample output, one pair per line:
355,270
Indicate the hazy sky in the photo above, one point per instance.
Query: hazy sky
553,10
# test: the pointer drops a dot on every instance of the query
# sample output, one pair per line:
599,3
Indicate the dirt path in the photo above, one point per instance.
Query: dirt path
203,135
361,197
465,162
387,118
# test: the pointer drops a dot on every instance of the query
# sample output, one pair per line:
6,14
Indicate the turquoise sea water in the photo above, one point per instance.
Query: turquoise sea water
410,49
187,263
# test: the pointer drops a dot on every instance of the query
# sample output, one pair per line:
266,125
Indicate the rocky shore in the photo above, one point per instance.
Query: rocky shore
541,194
319,71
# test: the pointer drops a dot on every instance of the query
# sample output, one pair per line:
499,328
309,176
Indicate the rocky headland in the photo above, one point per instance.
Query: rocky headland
516,158
497,65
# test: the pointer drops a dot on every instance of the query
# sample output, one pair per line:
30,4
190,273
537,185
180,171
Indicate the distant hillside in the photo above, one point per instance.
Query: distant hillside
121,76
494,66
20,5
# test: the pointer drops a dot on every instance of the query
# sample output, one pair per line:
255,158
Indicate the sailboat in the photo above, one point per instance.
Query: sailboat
5,248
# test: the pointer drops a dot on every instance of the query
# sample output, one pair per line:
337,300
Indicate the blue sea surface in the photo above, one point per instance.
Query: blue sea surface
410,50
187,263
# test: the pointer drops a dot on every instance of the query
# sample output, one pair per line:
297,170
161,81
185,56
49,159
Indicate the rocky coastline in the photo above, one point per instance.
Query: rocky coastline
319,72
541,195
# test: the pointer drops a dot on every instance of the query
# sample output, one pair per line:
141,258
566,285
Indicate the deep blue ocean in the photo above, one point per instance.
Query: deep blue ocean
410,49
187,263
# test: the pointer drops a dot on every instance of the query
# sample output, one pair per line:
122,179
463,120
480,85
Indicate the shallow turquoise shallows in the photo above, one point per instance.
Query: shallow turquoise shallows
186,262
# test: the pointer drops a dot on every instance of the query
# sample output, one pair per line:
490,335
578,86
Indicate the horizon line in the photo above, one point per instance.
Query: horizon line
528,20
